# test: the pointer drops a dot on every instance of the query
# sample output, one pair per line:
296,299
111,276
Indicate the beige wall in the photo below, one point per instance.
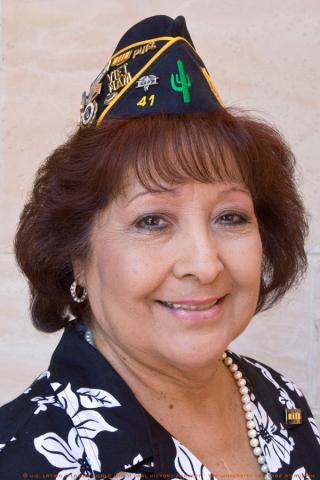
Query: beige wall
262,54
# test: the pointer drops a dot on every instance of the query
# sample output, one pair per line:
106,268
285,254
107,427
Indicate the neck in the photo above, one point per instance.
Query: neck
152,381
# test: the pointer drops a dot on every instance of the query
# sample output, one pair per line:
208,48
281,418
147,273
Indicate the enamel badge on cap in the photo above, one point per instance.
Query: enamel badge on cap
154,69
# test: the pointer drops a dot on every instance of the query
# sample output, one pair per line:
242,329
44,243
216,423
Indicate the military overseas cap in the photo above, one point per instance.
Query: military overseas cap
154,69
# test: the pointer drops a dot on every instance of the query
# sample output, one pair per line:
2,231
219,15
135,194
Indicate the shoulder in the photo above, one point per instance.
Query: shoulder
25,422
16,413
275,391
268,376
270,384
288,433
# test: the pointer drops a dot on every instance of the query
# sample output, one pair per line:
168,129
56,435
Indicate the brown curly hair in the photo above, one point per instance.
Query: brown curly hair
82,176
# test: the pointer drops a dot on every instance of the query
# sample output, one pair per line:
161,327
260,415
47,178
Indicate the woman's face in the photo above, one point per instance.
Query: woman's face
187,247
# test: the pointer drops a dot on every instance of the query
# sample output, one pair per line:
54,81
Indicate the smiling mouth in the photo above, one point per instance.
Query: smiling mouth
192,308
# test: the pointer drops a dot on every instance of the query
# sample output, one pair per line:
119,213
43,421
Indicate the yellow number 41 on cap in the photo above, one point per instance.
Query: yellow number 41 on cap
144,100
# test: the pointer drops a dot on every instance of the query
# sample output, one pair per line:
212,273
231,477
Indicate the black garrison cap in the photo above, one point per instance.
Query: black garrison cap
155,68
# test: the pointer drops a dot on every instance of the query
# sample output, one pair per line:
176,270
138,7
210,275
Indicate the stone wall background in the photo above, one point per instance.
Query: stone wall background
262,56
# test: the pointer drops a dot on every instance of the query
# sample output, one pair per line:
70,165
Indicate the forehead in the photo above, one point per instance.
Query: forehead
134,189
154,178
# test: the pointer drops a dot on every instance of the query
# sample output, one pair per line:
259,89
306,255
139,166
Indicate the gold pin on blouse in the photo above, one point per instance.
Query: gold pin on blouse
293,416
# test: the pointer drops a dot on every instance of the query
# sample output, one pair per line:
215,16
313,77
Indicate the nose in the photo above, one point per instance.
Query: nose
199,256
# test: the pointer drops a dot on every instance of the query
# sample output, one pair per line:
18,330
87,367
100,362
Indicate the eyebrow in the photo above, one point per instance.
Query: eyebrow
173,192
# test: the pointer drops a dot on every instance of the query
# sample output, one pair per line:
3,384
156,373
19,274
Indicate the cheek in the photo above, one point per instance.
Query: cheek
244,258
129,273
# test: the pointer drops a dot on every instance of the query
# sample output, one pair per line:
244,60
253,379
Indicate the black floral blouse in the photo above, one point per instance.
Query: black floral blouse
80,420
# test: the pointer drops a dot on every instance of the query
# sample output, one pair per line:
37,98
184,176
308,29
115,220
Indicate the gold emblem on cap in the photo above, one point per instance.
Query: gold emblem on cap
144,49
89,113
96,85
95,90
109,98
293,416
118,78
89,107
121,58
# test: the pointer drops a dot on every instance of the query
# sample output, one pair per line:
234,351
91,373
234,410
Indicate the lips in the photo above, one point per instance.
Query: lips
184,306
192,304
195,310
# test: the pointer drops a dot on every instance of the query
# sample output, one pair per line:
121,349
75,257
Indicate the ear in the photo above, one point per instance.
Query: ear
79,272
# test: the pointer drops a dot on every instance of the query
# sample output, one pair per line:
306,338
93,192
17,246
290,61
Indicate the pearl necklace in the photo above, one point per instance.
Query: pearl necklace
245,399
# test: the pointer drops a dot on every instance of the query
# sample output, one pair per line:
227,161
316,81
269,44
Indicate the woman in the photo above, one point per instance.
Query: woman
152,237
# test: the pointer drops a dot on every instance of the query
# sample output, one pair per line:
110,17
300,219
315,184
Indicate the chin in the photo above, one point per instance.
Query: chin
193,355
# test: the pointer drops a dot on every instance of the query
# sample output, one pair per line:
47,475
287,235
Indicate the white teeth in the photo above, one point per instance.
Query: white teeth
182,306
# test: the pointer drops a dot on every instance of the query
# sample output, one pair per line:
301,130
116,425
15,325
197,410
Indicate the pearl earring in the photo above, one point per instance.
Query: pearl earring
74,295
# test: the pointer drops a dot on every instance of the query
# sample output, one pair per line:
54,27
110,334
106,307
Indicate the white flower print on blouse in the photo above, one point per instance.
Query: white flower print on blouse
71,456
43,374
94,398
46,374
43,401
275,442
300,474
69,401
292,386
129,475
284,397
188,466
2,445
88,422
136,460
314,428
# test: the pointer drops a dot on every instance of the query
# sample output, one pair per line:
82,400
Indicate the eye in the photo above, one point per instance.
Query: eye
151,223
233,218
